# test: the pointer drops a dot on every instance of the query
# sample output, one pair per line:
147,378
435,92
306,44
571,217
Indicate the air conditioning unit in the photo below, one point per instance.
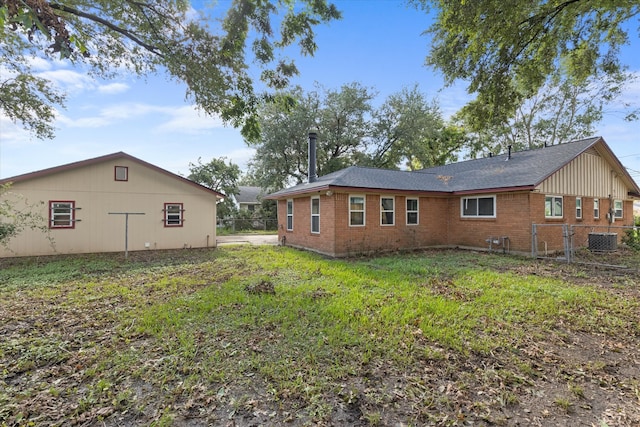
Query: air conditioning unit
603,242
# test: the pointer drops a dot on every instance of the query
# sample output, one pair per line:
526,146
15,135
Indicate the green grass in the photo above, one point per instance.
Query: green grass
295,323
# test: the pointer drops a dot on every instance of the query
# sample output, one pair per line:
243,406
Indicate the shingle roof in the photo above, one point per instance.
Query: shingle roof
247,194
522,170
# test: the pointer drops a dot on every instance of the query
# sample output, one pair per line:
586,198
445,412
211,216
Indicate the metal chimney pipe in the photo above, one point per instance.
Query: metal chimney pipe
509,155
312,156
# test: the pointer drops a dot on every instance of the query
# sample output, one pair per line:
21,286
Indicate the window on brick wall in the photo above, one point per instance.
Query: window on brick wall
618,209
412,211
579,207
289,215
356,210
387,210
553,206
315,214
596,208
478,207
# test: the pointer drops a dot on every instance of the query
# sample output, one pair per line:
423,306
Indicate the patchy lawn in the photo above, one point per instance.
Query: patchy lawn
248,336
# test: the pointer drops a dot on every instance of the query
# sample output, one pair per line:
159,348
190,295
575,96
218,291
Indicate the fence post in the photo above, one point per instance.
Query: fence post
565,239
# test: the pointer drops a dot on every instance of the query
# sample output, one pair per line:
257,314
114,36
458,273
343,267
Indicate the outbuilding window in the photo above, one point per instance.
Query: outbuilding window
62,214
553,206
173,215
121,173
596,208
478,207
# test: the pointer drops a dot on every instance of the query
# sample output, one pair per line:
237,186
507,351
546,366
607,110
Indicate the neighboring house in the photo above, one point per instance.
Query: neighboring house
249,198
85,202
359,210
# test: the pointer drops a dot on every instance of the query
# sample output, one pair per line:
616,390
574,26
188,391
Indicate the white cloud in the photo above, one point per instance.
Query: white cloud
113,88
188,119
69,80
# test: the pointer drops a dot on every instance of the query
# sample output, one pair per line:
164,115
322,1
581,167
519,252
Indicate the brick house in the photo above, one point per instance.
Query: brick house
466,204
84,204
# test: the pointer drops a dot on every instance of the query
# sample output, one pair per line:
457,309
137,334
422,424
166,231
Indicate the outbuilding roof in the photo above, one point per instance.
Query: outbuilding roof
506,172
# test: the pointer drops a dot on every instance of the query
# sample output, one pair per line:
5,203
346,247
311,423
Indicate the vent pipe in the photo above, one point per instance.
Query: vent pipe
312,155
509,155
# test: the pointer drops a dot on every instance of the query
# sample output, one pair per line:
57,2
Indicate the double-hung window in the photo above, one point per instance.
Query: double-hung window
387,211
315,214
173,215
596,208
478,207
617,209
62,214
356,210
289,215
553,207
579,207
412,211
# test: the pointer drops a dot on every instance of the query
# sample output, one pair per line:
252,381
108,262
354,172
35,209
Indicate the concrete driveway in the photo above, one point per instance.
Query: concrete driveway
252,239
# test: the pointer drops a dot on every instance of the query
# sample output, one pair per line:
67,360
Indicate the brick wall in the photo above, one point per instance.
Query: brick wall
439,224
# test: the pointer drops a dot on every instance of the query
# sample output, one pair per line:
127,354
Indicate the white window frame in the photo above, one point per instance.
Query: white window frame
552,214
464,201
618,213
62,214
315,215
412,211
173,217
578,207
363,210
289,215
384,211
596,208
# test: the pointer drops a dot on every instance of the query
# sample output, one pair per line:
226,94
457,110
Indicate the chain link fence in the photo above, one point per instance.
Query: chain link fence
606,245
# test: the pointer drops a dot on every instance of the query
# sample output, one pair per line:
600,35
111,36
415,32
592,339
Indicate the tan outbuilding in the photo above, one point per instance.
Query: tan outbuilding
101,204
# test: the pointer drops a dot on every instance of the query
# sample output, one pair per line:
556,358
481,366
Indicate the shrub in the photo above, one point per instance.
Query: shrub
632,238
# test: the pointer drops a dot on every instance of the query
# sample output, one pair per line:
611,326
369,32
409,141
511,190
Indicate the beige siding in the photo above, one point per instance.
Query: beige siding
588,175
96,193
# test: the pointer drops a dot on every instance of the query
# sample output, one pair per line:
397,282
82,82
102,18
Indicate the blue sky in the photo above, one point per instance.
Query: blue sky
377,43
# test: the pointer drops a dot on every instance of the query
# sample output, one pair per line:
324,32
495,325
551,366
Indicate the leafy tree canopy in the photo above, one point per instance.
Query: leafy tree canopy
507,50
110,36
407,130
562,110
219,176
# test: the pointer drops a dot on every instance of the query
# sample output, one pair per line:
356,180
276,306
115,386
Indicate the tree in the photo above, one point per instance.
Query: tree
502,47
563,110
341,119
407,129
144,37
220,176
